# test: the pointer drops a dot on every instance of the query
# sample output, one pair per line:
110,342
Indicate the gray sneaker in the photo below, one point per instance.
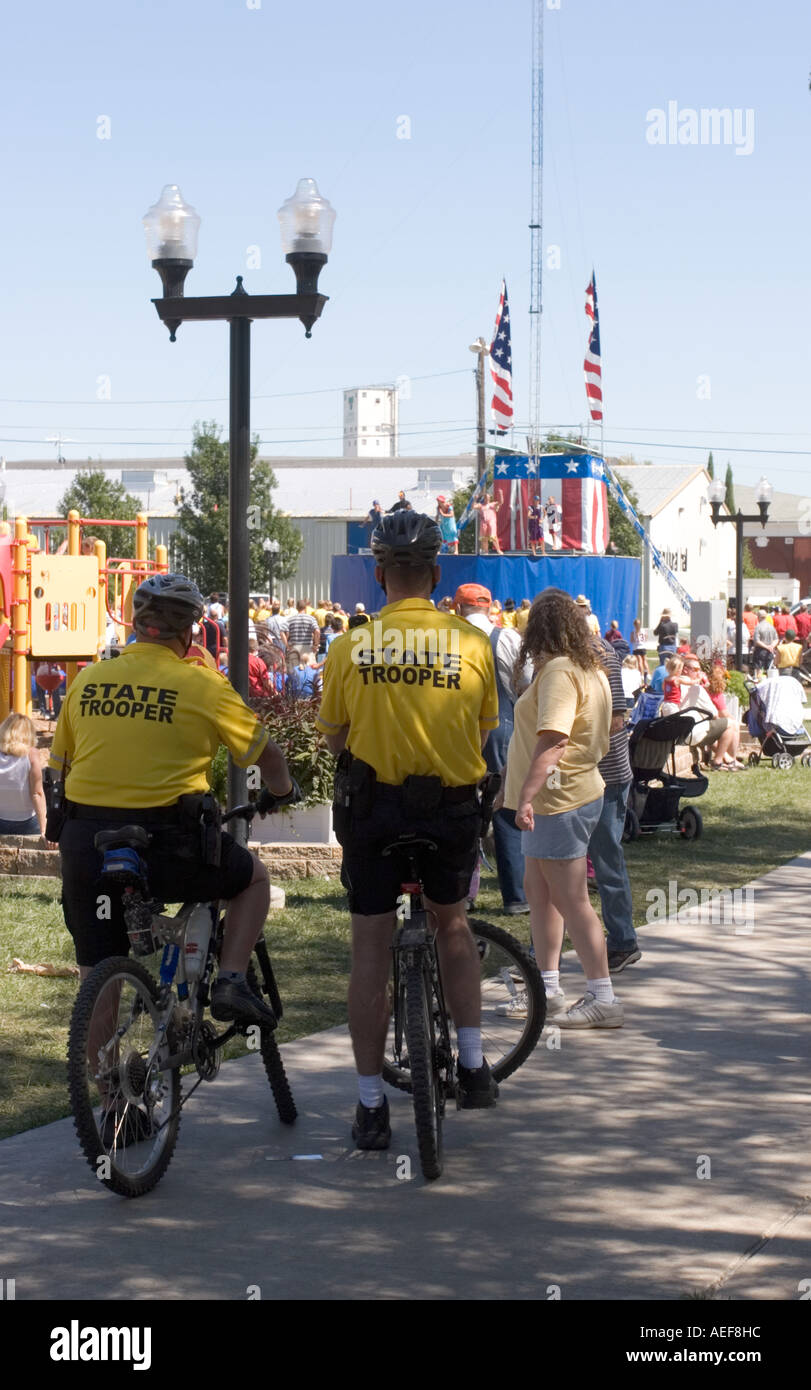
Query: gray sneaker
588,1012
555,1006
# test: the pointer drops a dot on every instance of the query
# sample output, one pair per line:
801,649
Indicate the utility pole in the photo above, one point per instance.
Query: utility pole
482,349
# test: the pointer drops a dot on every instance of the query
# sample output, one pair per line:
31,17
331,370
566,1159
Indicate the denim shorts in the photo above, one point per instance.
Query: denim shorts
563,836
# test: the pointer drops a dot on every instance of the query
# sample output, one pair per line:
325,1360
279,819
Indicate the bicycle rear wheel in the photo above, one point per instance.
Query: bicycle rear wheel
426,1090
274,1066
125,1102
513,1008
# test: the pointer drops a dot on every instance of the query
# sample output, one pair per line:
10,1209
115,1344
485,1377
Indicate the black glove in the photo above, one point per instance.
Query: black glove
267,802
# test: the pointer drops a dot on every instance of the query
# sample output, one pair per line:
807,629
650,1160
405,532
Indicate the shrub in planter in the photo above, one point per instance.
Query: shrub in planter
291,724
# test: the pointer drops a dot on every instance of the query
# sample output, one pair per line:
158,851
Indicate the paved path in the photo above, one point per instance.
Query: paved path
585,1179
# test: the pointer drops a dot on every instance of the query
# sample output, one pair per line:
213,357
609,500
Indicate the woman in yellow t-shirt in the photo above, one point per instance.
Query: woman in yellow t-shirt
562,731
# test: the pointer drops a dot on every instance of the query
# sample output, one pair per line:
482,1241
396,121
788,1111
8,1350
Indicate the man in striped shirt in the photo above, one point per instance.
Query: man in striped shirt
605,845
303,632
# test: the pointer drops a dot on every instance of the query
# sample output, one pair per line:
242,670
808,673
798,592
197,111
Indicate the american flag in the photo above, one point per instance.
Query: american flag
576,481
592,366
501,365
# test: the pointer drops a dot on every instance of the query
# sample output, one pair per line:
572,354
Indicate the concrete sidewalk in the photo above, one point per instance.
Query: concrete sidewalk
584,1182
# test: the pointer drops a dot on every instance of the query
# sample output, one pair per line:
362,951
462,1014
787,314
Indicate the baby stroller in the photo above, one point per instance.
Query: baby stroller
775,719
653,801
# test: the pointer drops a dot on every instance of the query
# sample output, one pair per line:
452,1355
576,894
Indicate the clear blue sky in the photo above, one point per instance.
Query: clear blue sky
701,254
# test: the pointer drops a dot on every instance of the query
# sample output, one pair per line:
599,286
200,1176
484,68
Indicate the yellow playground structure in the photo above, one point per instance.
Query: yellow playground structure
60,606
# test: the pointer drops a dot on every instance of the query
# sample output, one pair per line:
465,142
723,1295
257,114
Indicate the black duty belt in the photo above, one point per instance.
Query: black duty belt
149,815
449,796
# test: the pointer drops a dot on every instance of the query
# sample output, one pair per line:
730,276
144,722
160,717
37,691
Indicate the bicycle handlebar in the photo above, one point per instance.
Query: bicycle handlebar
265,804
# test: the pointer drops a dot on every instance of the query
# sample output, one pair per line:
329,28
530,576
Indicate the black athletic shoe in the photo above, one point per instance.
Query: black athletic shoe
371,1129
234,1001
133,1128
617,960
475,1090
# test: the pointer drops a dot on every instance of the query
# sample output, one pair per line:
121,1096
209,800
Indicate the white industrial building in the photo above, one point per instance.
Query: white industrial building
370,422
674,510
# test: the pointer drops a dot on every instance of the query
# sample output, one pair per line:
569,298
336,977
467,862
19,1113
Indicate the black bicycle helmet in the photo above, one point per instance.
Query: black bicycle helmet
406,538
166,604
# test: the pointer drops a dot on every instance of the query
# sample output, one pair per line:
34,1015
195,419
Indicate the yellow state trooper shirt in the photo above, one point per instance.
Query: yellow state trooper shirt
417,689
142,730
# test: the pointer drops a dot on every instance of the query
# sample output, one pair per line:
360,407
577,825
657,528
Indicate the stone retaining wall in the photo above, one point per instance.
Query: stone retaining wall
24,854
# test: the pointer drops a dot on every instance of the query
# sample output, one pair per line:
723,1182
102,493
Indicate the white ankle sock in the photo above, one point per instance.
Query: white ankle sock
470,1047
601,989
370,1091
551,981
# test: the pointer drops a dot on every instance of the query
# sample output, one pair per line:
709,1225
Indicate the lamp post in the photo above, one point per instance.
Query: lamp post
481,348
172,226
763,496
271,549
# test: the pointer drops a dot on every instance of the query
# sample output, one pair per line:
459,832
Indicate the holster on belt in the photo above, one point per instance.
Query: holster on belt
490,786
355,783
200,825
56,804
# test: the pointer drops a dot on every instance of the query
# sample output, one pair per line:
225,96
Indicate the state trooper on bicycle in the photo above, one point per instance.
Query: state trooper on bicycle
133,745
408,702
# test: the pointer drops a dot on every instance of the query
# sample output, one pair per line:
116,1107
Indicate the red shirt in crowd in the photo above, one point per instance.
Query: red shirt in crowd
257,675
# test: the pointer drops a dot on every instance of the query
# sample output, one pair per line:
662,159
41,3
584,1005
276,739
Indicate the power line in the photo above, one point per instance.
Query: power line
211,400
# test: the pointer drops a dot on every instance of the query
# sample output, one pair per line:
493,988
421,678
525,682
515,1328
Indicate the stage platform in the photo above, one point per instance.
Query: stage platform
610,584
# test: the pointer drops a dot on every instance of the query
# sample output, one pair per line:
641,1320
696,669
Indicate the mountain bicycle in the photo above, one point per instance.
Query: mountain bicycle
419,1049
132,1036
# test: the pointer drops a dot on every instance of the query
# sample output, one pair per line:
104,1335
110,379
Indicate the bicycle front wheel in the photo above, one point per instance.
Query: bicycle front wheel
125,1101
513,1008
513,999
426,1089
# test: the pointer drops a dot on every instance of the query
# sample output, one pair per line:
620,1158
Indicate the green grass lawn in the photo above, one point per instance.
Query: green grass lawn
753,821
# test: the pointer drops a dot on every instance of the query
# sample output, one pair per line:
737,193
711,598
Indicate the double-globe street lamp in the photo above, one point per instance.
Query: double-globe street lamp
763,496
172,228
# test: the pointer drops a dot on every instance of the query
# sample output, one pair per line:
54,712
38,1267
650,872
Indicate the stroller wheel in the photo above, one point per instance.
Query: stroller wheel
690,823
632,829
805,760
783,761
753,759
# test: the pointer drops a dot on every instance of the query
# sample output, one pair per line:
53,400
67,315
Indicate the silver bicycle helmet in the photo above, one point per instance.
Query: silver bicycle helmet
406,538
166,604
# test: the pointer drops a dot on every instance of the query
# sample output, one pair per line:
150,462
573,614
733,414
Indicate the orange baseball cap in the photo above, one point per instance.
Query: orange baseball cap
473,594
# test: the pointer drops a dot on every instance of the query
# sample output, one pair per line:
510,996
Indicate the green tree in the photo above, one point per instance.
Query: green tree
200,546
93,493
729,495
750,569
710,466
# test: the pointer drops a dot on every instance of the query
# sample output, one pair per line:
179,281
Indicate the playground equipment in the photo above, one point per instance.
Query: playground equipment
58,607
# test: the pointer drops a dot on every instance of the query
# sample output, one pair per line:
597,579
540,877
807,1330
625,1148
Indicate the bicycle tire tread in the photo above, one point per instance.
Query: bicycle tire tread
419,1032
84,1123
535,993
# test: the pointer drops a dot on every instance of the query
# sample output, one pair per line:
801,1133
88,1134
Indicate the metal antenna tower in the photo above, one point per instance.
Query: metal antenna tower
536,229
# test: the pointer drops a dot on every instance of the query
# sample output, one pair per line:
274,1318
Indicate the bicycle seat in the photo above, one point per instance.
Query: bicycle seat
406,842
126,836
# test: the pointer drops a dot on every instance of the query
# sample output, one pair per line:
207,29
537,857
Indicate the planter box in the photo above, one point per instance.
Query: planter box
312,826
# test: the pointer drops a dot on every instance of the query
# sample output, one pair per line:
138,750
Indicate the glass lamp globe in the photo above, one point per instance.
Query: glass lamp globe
717,491
306,221
171,227
764,492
